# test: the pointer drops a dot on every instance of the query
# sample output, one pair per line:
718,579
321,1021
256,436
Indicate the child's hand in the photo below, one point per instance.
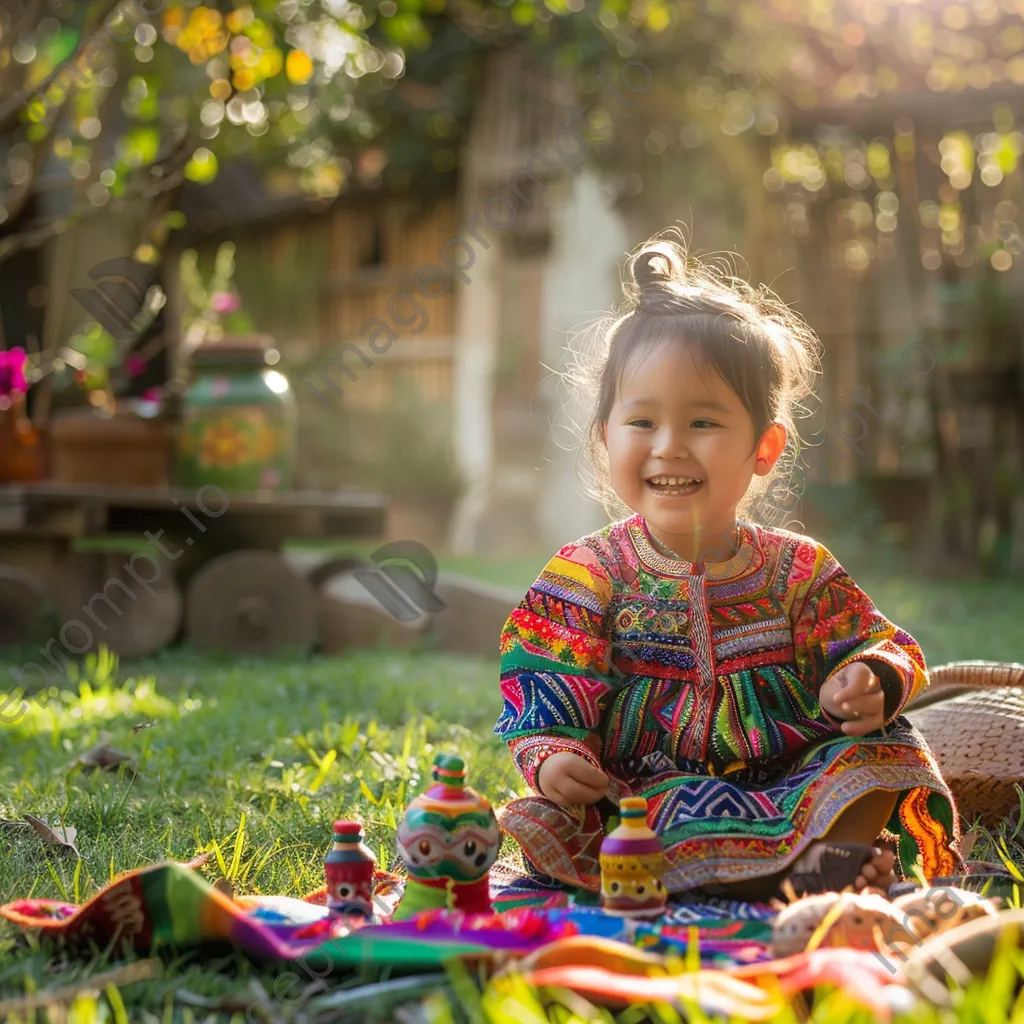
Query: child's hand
570,780
854,694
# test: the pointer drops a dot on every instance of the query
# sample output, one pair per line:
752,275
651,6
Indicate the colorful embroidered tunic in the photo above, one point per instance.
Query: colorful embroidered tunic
696,686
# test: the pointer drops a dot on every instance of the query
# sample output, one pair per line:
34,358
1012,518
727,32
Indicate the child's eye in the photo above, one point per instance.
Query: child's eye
703,424
640,423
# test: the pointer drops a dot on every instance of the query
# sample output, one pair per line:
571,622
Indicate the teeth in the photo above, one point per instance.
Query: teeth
673,481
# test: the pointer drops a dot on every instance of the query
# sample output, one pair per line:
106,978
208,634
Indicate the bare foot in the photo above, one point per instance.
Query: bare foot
877,873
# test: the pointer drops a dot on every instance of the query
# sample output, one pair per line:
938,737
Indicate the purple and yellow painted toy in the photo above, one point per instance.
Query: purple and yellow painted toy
632,863
350,866
448,839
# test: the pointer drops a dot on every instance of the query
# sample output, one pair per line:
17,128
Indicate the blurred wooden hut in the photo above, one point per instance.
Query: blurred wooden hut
877,185
899,196
369,358
447,403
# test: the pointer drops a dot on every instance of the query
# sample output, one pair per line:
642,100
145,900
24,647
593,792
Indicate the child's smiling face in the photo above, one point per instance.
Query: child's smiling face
681,448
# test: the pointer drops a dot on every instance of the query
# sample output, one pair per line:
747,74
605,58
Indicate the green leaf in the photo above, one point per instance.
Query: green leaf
221,863
116,1004
236,859
203,166
1007,859
408,31
325,766
523,12
140,146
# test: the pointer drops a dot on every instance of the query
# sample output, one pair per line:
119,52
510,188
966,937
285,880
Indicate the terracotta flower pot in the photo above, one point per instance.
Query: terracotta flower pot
119,451
23,449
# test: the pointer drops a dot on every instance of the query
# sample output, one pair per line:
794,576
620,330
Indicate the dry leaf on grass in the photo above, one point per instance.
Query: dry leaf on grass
55,835
967,844
224,885
105,758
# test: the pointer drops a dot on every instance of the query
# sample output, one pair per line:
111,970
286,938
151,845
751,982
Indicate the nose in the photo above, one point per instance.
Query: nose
669,444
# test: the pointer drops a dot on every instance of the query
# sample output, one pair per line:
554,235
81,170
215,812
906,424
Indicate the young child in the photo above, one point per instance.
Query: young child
733,674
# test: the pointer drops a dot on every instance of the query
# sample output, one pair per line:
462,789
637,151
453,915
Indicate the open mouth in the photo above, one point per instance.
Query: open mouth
674,486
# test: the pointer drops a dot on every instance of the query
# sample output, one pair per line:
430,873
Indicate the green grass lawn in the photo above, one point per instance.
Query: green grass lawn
253,760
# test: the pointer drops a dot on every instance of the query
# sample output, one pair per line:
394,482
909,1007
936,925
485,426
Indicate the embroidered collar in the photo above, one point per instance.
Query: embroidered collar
747,558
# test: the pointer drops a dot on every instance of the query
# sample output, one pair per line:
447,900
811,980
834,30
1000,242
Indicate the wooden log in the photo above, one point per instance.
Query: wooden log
350,618
24,607
129,603
473,617
250,602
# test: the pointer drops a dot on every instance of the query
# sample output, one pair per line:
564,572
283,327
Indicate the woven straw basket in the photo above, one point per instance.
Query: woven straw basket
972,716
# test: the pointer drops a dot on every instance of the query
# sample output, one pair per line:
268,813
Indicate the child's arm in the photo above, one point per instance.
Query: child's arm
555,663
836,624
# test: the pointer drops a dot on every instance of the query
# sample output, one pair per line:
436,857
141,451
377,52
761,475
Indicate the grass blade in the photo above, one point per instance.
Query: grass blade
116,1004
236,857
325,766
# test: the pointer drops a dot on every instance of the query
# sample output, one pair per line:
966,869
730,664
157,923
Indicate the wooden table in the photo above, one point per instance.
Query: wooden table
209,557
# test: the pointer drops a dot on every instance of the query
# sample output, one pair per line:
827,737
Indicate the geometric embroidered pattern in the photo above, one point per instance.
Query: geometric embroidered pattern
698,686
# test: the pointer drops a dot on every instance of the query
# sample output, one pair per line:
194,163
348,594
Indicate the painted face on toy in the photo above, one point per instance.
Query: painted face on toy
436,846
354,894
632,883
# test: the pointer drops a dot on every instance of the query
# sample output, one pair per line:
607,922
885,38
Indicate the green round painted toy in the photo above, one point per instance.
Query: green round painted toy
238,420
448,839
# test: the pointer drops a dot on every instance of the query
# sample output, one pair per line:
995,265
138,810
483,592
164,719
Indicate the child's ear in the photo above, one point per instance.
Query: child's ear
769,448
604,434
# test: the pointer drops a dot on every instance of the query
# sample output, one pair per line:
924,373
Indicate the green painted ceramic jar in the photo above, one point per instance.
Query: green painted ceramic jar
238,420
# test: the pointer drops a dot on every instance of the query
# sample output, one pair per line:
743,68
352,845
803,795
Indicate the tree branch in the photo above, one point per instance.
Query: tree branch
20,195
36,236
30,15
11,109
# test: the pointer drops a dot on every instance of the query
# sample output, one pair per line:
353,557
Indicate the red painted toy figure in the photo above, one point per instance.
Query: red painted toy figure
448,839
349,866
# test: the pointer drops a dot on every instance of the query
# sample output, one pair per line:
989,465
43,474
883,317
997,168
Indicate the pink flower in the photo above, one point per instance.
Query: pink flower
152,395
135,366
225,302
12,371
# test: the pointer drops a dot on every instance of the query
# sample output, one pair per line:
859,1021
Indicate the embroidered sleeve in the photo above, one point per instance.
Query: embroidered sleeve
836,623
555,662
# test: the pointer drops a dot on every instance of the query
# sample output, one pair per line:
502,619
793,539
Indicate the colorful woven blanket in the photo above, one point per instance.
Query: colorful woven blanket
556,940
173,905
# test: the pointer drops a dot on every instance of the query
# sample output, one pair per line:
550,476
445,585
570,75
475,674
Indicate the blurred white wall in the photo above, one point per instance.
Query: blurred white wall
589,241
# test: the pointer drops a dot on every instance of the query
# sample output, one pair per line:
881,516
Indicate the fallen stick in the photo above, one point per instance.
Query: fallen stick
141,970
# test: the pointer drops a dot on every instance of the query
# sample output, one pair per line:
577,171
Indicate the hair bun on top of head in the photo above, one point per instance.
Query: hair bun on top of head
659,275
656,266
